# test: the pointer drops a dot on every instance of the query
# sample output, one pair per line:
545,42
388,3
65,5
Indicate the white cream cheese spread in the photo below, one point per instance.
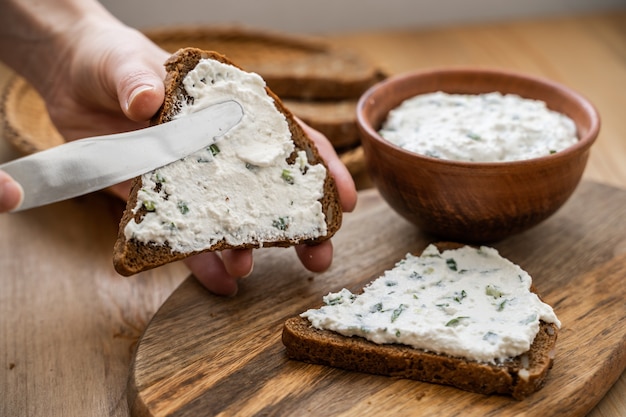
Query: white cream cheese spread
488,127
467,302
240,189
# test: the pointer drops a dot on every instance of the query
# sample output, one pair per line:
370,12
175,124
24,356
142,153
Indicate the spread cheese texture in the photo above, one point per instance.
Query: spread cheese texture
488,127
240,189
467,302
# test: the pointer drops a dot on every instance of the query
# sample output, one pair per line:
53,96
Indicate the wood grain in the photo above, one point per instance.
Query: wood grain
221,356
68,323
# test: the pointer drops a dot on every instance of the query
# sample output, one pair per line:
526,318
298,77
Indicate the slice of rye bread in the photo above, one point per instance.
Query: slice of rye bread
518,377
293,66
335,119
132,256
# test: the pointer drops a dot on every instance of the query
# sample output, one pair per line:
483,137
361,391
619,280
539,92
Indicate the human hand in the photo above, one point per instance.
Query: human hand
108,78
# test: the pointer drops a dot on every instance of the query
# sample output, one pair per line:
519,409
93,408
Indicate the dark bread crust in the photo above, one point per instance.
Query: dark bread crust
132,256
324,347
308,344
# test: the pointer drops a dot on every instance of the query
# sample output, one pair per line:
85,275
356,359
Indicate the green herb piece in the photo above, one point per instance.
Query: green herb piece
458,296
287,176
501,305
491,337
529,319
149,205
391,283
396,313
182,206
451,264
378,307
432,154
493,291
415,275
397,333
282,223
214,149
552,151
159,178
473,136
456,321
335,300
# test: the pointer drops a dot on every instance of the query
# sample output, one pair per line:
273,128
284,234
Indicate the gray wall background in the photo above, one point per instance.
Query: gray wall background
337,16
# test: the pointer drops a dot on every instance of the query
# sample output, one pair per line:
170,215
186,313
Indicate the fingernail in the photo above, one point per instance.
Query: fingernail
137,91
250,271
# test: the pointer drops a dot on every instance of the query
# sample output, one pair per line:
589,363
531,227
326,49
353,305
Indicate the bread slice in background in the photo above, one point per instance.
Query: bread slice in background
335,119
294,66
518,377
132,256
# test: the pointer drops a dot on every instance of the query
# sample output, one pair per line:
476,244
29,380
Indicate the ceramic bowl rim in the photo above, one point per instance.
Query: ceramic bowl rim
584,141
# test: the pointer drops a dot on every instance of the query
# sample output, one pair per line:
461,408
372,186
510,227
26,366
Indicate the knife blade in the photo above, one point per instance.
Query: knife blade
86,165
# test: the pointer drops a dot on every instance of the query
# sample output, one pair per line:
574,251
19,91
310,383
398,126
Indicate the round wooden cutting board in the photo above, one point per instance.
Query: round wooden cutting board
208,355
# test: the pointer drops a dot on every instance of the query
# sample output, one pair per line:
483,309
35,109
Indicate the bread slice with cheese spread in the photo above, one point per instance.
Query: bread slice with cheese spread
231,203
517,376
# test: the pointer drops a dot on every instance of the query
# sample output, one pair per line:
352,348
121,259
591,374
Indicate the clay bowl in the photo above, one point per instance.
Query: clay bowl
473,202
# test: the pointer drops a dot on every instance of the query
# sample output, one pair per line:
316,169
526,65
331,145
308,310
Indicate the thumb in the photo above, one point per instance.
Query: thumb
11,193
140,94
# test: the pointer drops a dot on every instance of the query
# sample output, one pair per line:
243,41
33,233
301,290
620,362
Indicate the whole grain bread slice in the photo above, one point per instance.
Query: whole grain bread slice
335,119
293,66
518,377
132,256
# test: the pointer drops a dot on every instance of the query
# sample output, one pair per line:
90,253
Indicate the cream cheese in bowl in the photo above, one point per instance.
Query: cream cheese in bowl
490,127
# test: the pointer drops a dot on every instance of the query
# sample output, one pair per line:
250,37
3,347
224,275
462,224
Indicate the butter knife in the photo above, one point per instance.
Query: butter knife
86,165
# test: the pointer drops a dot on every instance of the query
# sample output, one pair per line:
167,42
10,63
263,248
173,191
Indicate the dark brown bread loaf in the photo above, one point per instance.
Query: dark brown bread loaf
132,256
335,119
518,377
293,66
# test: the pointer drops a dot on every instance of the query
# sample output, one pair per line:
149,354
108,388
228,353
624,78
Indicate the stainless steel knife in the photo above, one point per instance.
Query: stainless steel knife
86,165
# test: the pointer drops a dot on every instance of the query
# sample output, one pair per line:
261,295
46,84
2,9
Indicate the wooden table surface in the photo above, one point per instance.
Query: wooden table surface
69,323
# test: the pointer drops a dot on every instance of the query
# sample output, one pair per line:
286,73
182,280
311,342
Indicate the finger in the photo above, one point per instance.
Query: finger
316,258
343,178
11,193
140,93
138,75
238,262
209,270
121,190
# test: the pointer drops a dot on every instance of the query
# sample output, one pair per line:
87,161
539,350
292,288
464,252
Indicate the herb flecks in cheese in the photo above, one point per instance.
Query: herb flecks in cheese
488,127
467,302
240,189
